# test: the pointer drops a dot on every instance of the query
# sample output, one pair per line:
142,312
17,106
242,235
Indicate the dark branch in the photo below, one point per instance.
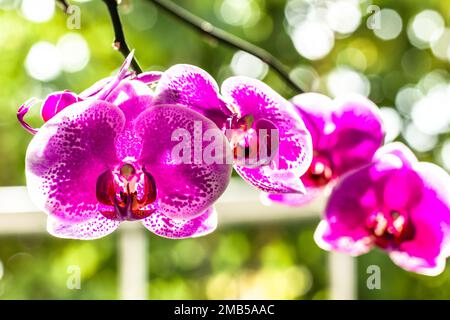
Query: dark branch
229,39
63,4
119,41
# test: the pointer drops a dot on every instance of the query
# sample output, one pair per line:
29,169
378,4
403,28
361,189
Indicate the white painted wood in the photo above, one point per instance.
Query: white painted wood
240,204
342,275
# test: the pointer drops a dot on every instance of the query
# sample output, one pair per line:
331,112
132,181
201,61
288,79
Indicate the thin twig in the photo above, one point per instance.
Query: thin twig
63,4
229,39
119,42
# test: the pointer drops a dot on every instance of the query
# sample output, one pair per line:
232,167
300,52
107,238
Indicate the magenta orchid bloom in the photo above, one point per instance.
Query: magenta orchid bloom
395,203
104,156
245,108
346,132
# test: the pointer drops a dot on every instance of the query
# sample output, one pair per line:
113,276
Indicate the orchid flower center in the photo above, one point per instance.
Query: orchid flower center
254,142
389,228
319,172
128,191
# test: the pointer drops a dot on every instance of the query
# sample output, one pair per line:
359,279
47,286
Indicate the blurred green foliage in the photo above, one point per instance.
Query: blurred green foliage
240,261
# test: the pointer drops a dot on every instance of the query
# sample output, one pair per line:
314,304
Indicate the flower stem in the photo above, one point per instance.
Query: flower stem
63,4
119,42
229,39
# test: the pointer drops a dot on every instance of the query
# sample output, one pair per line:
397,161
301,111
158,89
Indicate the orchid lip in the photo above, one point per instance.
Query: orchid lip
320,172
120,191
254,141
389,228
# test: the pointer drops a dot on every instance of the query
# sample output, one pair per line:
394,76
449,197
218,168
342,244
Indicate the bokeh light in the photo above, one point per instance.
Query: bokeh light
431,114
307,77
313,39
74,52
344,80
239,12
343,16
244,64
424,27
418,140
406,97
445,154
392,123
43,61
390,25
440,44
38,10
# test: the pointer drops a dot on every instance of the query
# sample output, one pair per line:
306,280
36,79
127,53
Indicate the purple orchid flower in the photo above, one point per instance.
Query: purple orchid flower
346,132
104,156
395,203
252,115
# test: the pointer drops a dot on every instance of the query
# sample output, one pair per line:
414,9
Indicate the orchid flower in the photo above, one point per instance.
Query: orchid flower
346,132
105,156
252,115
395,203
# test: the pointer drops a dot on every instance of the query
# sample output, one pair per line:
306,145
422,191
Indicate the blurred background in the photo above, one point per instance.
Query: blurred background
395,52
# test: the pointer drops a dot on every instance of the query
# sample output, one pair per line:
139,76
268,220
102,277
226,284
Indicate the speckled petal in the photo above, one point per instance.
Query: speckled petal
68,154
132,97
166,227
186,186
252,97
192,87
93,228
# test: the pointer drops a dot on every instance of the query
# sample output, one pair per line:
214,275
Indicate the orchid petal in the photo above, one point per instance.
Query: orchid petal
426,252
398,150
57,101
68,154
315,109
186,185
23,110
293,199
355,197
192,87
252,97
93,228
128,89
122,74
164,226
95,88
149,77
358,133
132,98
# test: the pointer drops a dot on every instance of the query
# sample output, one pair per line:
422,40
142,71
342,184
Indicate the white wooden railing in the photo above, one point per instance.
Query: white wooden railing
240,204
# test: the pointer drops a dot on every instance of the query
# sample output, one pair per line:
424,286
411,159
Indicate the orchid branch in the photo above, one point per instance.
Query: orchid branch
63,4
119,42
229,39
